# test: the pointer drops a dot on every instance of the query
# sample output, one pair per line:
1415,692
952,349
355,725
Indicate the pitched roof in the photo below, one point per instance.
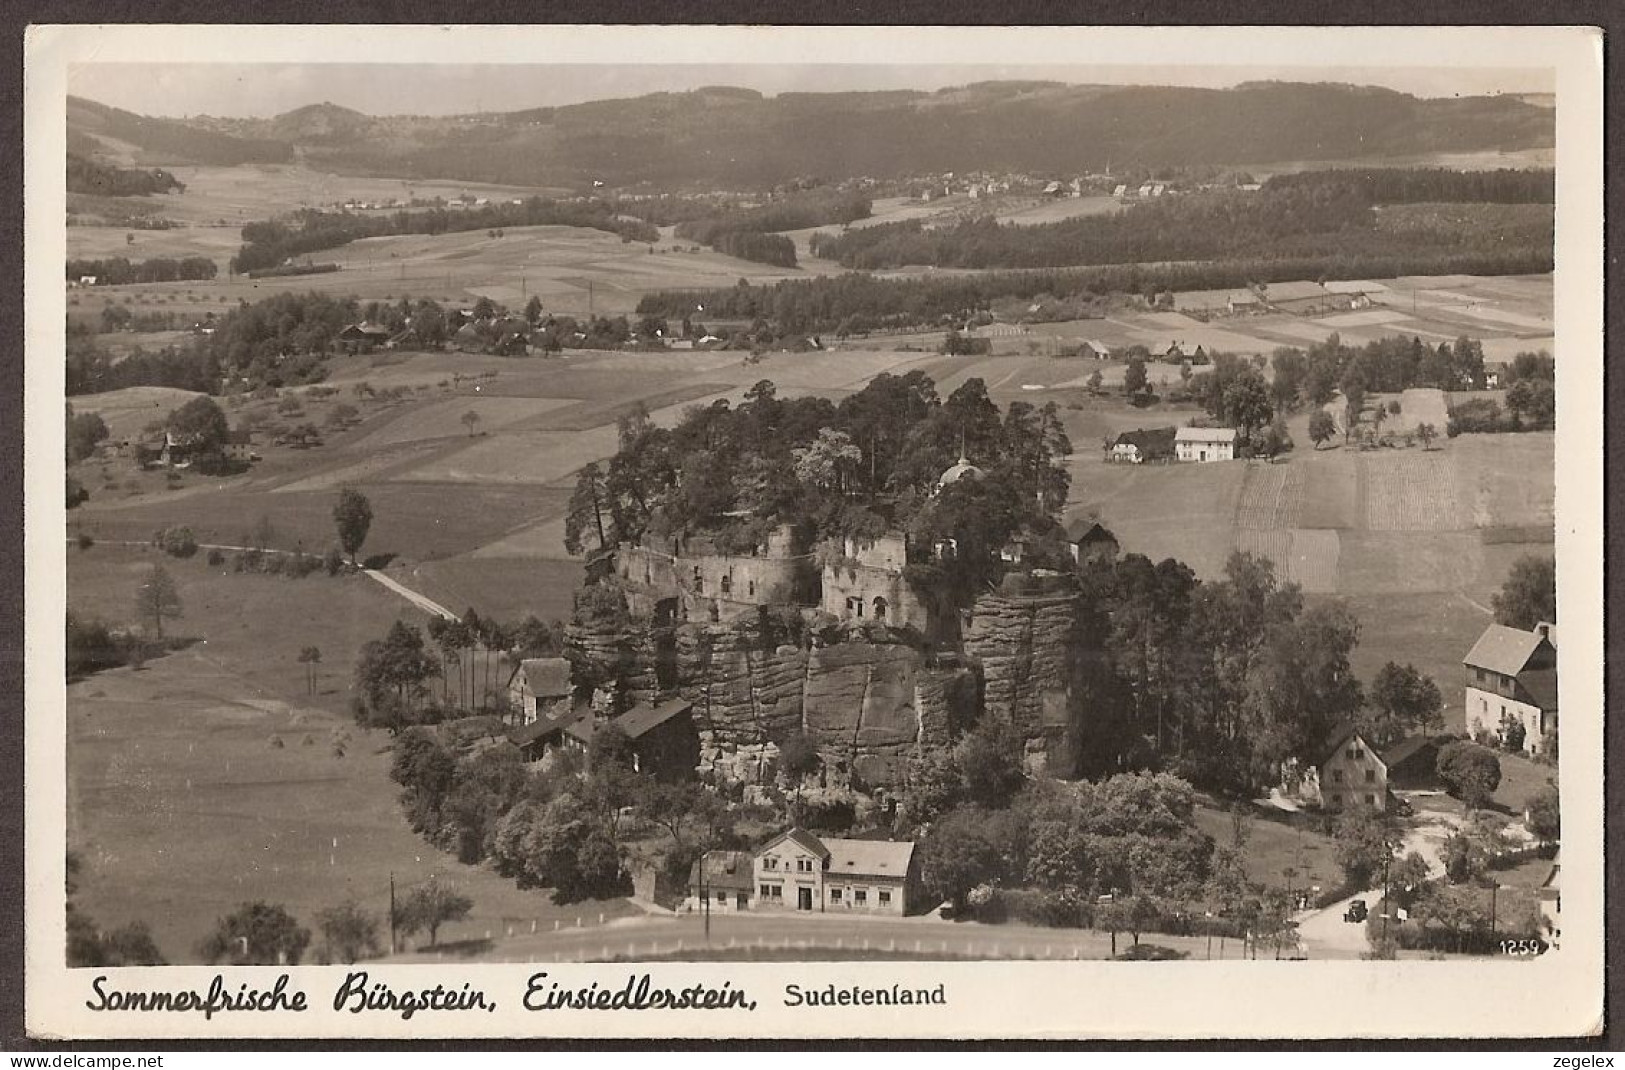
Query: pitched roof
642,718
869,858
1148,440
1084,531
728,871
580,725
546,677
801,838
1406,749
1244,297
1503,650
1205,434
1340,735
543,726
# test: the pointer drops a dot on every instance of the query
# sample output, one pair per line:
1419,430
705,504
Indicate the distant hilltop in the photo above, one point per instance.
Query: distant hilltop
739,138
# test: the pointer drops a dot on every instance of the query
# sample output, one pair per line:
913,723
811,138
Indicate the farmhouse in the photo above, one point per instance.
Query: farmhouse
799,871
1243,302
361,337
534,739
1202,444
239,445
1512,684
1142,446
1097,349
1347,772
540,688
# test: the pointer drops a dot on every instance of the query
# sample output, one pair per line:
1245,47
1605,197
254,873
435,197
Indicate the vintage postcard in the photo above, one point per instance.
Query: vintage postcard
874,532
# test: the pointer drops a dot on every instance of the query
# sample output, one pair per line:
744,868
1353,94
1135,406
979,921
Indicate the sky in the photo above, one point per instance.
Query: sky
261,90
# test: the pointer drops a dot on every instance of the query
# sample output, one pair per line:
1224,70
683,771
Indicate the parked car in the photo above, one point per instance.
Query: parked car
1356,912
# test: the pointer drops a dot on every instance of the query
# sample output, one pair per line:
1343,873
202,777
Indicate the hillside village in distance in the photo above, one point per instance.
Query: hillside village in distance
573,556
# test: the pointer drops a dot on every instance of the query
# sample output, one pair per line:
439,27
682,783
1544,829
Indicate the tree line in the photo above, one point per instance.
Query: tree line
748,232
857,302
117,271
1422,185
272,242
102,180
1322,220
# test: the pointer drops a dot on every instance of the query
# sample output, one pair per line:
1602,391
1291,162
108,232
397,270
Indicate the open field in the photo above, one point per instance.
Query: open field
1275,843
1031,210
175,769
127,411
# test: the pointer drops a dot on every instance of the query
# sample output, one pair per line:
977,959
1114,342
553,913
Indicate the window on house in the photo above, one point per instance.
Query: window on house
880,609
1371,800
835,895
885,898
770,862
699,580
860,896
767,891
1337,776
1370,776
750,588
1336,800
727,584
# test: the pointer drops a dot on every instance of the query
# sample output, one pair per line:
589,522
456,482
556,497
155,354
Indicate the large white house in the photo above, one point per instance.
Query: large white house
1512,681
798,871
1205,444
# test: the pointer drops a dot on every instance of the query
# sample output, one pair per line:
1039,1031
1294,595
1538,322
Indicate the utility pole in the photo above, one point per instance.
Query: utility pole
1387,907
1494,888
392,947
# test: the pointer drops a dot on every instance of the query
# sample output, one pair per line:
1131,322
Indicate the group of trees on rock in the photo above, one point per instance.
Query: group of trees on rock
859,467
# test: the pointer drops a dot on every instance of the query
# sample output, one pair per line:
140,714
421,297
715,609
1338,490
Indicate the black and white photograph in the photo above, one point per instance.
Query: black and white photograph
861,530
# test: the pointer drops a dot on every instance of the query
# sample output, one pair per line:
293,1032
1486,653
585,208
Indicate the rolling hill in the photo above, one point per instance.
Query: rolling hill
737,137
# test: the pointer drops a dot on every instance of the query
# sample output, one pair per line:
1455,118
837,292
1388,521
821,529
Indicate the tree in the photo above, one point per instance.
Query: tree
828,461
1529,595
256,934
533,310
1427,433
200,424
348,932
1134,377
1403,701
588,510
157,599
310,657
965,847
990,763
1322,427
1244,401
1472,773
1094,381
470,419
1543,816
1365,840
798,756
430,905
353,516
1276,439
84,431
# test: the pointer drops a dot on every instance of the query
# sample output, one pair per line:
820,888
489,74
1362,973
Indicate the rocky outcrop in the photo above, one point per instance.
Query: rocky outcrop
867,697
1025,646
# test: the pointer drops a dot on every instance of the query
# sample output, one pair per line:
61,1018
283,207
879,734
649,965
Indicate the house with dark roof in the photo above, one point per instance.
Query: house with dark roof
1413,763
721,881
239,445
539,686
799,871
1511,684
664,741
1142,446
1091,544
361,337
550,731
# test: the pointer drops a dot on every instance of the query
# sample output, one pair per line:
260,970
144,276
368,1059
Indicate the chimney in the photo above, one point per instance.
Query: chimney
1547,631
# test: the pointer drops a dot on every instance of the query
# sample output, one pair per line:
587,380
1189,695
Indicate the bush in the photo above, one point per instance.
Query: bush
1036,906
333,561
216,557
176,542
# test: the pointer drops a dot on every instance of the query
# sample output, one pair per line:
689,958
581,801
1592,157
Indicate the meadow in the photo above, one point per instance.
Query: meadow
211,776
